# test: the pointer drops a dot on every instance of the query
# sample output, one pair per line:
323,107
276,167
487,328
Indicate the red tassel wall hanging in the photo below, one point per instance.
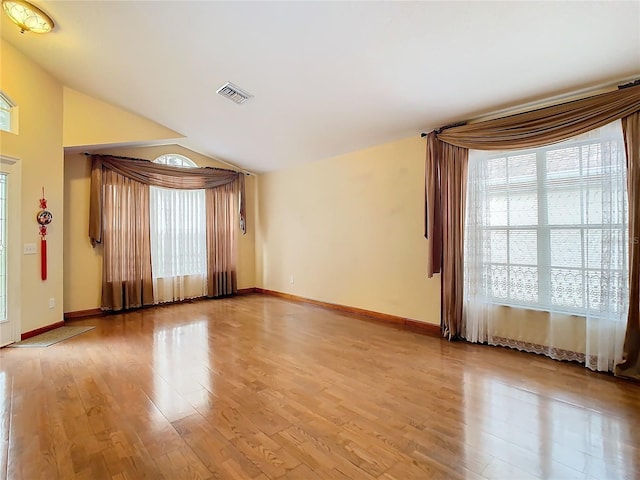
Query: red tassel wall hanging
44,218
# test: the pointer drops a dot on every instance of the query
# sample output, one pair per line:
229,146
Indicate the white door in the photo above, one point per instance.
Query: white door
9,250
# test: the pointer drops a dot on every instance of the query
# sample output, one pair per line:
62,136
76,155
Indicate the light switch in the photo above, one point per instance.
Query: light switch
30,249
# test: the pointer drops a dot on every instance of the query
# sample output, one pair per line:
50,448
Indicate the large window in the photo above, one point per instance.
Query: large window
178,235
552,224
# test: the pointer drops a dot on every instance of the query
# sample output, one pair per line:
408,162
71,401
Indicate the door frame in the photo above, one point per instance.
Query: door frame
13,168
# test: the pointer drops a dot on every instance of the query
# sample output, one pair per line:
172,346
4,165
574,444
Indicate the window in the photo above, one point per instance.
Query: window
178,233
176,161
551,224
6,113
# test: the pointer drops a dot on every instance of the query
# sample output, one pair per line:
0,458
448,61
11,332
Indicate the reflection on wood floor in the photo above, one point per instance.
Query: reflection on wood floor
257,387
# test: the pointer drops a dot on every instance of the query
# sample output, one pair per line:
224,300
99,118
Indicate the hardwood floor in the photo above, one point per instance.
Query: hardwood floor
257,387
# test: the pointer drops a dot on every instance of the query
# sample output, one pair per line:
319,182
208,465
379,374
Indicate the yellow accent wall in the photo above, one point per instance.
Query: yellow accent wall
83,263
88,121
39,148
350,231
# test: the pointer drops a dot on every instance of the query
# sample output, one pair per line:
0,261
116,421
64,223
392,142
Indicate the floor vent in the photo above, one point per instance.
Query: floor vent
233,93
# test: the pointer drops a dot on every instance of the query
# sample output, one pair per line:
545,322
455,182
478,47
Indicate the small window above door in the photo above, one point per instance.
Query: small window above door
8,120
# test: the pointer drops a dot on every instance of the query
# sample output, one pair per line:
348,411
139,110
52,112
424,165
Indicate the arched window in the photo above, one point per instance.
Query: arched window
178,238
176,160
6,113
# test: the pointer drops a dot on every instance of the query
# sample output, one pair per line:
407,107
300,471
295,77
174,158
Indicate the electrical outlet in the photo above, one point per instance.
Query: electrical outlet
52,302
29,249
292,280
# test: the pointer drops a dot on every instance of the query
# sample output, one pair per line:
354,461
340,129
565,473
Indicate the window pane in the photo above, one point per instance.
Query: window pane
564,206
523,247
523,284
593,247
498,281
566,248
498,210
497,170
176,160
593,206
5,120
523,208
523,195
5,113
563,163
567,288
522,168
592,160
606,291
497,249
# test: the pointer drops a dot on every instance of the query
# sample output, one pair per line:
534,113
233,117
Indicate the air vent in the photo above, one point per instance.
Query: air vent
233,93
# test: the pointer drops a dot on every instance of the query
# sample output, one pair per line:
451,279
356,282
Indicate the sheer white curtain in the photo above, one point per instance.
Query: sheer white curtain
178,239
178,244
546,249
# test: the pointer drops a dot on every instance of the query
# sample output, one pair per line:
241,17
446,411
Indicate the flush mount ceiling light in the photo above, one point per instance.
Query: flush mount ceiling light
27,16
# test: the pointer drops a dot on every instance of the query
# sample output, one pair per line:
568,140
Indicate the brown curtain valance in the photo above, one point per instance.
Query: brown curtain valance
545,126
157,175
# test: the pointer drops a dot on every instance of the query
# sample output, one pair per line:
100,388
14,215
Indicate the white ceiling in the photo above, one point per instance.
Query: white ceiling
328,77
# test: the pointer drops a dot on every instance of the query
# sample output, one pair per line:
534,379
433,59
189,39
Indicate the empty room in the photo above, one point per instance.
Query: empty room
319,240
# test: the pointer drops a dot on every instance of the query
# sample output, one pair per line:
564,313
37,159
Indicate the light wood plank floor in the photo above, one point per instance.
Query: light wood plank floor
262,388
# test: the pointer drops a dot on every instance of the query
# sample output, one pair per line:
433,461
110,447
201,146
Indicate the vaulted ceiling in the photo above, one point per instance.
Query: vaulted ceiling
327,77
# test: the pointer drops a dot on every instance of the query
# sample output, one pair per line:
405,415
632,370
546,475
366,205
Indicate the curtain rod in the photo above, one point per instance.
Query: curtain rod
89,154
547,102
630,84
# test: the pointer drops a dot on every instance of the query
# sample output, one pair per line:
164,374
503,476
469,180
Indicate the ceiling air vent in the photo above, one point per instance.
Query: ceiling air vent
234,93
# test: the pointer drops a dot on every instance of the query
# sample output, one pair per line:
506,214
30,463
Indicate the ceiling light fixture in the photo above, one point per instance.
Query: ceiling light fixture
27,16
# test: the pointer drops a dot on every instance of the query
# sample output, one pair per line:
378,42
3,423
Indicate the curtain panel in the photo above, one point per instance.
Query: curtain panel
447,177
157,175
126,272
221,209
531,129
630,366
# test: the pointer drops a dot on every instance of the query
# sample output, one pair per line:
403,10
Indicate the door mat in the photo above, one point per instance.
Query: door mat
51,337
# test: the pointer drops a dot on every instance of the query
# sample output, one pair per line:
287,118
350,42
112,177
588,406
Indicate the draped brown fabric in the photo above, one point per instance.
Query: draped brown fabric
432,207
545,126
126,273
157,175
448,170
536,128
119,218
222,208
630,366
